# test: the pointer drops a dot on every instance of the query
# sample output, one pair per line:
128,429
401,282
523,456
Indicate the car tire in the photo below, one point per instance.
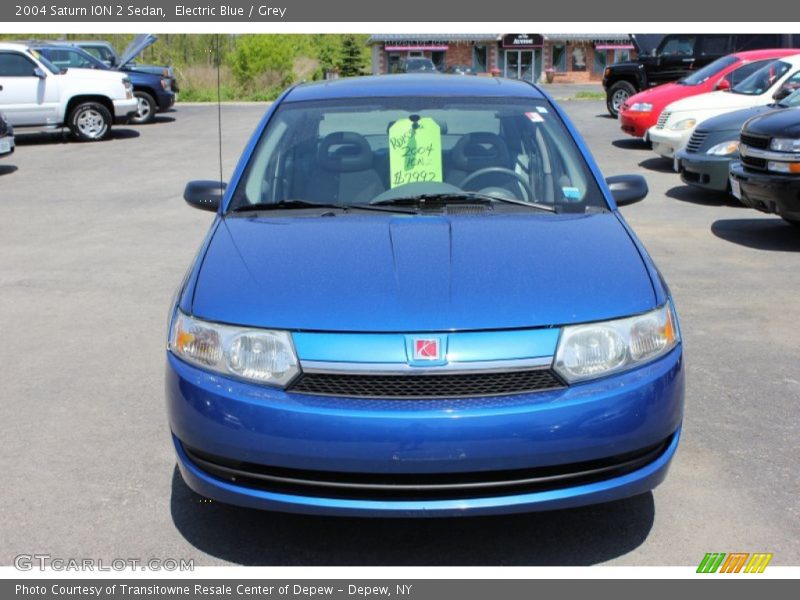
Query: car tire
147,109
617,95
90,122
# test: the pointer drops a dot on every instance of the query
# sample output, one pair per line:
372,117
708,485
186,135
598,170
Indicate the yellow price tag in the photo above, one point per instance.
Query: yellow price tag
415,151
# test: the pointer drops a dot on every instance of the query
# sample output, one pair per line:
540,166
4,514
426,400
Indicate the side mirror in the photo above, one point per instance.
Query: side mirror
782,92
723,85
37,72
627,189
204,194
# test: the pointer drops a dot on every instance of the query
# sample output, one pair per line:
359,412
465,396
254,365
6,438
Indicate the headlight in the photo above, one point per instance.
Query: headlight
641,107
724,148
126,83
785,145
260,355
599,349
783,167
683,124
165,84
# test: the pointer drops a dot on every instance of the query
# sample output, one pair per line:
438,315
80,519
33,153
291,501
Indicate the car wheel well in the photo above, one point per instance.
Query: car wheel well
144,88
75,101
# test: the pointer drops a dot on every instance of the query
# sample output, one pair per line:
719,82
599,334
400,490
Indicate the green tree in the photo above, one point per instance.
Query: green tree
260,56
352,57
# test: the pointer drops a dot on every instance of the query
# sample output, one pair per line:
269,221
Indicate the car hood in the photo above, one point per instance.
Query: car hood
136,47
783,123
421,273
74,74
734,120
719,102
662,95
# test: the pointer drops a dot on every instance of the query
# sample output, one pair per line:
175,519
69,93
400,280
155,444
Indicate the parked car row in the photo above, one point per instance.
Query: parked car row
732,126
48,85
677,56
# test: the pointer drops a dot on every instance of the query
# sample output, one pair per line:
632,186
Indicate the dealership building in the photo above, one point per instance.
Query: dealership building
570,58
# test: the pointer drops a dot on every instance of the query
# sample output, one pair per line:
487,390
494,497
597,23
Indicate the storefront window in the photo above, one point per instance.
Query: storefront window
600,60
578,58
479,59
622,55
392,62
560,58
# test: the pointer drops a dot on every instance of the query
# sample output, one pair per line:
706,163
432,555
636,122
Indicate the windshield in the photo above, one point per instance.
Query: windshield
47,64
419,64
763,79
66,58
791,101
710,70
360,151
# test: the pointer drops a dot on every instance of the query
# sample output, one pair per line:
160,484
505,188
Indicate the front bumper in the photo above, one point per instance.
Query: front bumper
166,100
637,123
124,110
705,171
290,433
667,142
768,192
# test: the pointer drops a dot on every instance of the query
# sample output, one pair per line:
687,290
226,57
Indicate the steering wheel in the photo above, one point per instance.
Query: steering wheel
519,179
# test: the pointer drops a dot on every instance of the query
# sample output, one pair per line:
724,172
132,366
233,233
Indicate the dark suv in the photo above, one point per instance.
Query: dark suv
675,57
767,177
416,64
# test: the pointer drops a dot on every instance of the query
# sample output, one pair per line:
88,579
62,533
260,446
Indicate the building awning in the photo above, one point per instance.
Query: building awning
416,48
593,38
405,39
614,46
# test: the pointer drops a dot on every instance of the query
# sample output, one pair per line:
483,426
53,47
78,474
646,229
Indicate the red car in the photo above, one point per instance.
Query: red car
641,111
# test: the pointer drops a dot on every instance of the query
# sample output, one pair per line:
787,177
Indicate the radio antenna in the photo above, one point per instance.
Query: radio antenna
218,60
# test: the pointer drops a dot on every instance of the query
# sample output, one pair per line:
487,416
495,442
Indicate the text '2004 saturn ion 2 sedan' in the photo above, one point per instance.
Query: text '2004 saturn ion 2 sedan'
418,297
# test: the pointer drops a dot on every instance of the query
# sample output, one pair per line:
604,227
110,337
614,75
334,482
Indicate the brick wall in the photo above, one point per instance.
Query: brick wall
458,54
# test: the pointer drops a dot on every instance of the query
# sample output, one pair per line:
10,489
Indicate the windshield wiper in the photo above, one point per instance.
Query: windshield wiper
297,204
454,197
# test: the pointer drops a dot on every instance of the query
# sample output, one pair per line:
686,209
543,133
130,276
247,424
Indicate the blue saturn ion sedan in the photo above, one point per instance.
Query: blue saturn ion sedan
418,297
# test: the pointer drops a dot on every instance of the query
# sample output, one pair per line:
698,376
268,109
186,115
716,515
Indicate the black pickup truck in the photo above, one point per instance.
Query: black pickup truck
676,56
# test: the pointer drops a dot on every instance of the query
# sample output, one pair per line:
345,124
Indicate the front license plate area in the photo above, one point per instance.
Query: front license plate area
736,188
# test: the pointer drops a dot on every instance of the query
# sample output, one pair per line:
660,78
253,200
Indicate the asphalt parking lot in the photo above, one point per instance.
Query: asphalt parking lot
95,237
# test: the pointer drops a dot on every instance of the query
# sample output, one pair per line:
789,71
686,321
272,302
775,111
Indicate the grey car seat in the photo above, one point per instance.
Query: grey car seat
476,151
344,172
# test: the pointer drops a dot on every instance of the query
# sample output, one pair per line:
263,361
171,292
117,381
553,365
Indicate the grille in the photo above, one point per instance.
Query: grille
453,385
754,163
755,141
466,209
662,120
417,486
697,139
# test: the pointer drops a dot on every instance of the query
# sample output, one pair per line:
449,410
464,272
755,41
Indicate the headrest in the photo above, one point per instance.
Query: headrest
344,151
480,150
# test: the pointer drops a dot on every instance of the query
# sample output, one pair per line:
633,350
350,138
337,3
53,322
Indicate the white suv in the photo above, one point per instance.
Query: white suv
36,93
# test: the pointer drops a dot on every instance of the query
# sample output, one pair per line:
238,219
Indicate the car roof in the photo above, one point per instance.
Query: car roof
413,85
13,46
750,55
92,43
